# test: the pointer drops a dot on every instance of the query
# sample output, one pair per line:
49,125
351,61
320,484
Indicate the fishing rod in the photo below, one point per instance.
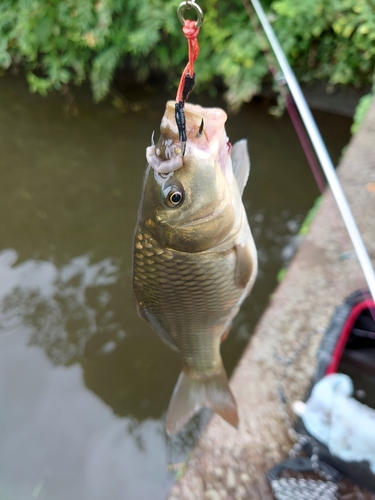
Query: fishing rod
319,146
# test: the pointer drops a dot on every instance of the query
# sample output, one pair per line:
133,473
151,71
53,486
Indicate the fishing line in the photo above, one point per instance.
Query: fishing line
191,31
288,102
298,110
319,146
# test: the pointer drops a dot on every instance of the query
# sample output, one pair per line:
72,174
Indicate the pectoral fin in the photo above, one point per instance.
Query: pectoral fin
244,266
240,163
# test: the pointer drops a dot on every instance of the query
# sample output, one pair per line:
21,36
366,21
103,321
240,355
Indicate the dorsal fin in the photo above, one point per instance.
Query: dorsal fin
240,163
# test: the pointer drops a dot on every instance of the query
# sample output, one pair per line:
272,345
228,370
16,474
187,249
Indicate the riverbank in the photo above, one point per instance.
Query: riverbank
230,464
340,100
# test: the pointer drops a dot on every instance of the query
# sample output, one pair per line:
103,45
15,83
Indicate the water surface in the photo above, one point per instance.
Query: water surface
84,383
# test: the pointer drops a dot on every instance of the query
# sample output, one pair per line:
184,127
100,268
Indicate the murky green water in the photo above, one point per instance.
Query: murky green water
84,383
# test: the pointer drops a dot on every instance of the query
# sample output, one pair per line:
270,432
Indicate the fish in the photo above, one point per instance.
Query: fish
194,257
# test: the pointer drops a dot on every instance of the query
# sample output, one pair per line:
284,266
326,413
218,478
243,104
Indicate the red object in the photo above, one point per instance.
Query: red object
340,346
191,33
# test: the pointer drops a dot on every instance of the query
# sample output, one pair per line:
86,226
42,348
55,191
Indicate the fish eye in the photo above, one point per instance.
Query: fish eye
173,196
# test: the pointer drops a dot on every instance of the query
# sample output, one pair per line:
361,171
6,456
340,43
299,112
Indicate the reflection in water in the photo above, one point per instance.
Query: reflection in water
54,303
60,440
84,383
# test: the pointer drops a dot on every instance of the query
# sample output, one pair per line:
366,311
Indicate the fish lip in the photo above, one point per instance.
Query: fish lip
163,166
214,121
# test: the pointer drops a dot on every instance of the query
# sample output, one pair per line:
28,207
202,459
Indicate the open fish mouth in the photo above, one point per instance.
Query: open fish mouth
205,133
214,120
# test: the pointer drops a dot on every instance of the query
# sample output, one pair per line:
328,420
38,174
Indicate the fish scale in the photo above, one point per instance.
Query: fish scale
194,256
203,299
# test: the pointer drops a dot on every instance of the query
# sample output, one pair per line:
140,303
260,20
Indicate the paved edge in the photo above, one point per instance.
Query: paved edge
230,464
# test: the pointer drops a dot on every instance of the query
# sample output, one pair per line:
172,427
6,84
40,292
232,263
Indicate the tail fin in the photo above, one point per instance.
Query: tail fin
190,395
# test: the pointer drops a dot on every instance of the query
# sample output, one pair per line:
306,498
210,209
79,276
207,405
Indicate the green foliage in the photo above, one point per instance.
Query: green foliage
362,108
361,111
329,40
281,274
66,42
305,227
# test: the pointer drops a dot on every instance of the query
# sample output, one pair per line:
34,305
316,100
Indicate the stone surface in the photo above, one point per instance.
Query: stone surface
324,271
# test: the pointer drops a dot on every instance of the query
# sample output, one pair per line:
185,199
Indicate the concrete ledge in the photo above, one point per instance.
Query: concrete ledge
230,464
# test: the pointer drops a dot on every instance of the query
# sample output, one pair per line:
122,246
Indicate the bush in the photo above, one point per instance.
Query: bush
329,40
66,42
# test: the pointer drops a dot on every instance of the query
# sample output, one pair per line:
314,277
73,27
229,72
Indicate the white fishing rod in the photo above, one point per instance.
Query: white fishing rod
320,149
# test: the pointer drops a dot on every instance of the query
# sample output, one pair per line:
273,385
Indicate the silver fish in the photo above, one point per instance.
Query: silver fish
194,256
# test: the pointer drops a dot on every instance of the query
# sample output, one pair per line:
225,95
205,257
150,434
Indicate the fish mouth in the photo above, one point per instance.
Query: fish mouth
214,120
160,165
